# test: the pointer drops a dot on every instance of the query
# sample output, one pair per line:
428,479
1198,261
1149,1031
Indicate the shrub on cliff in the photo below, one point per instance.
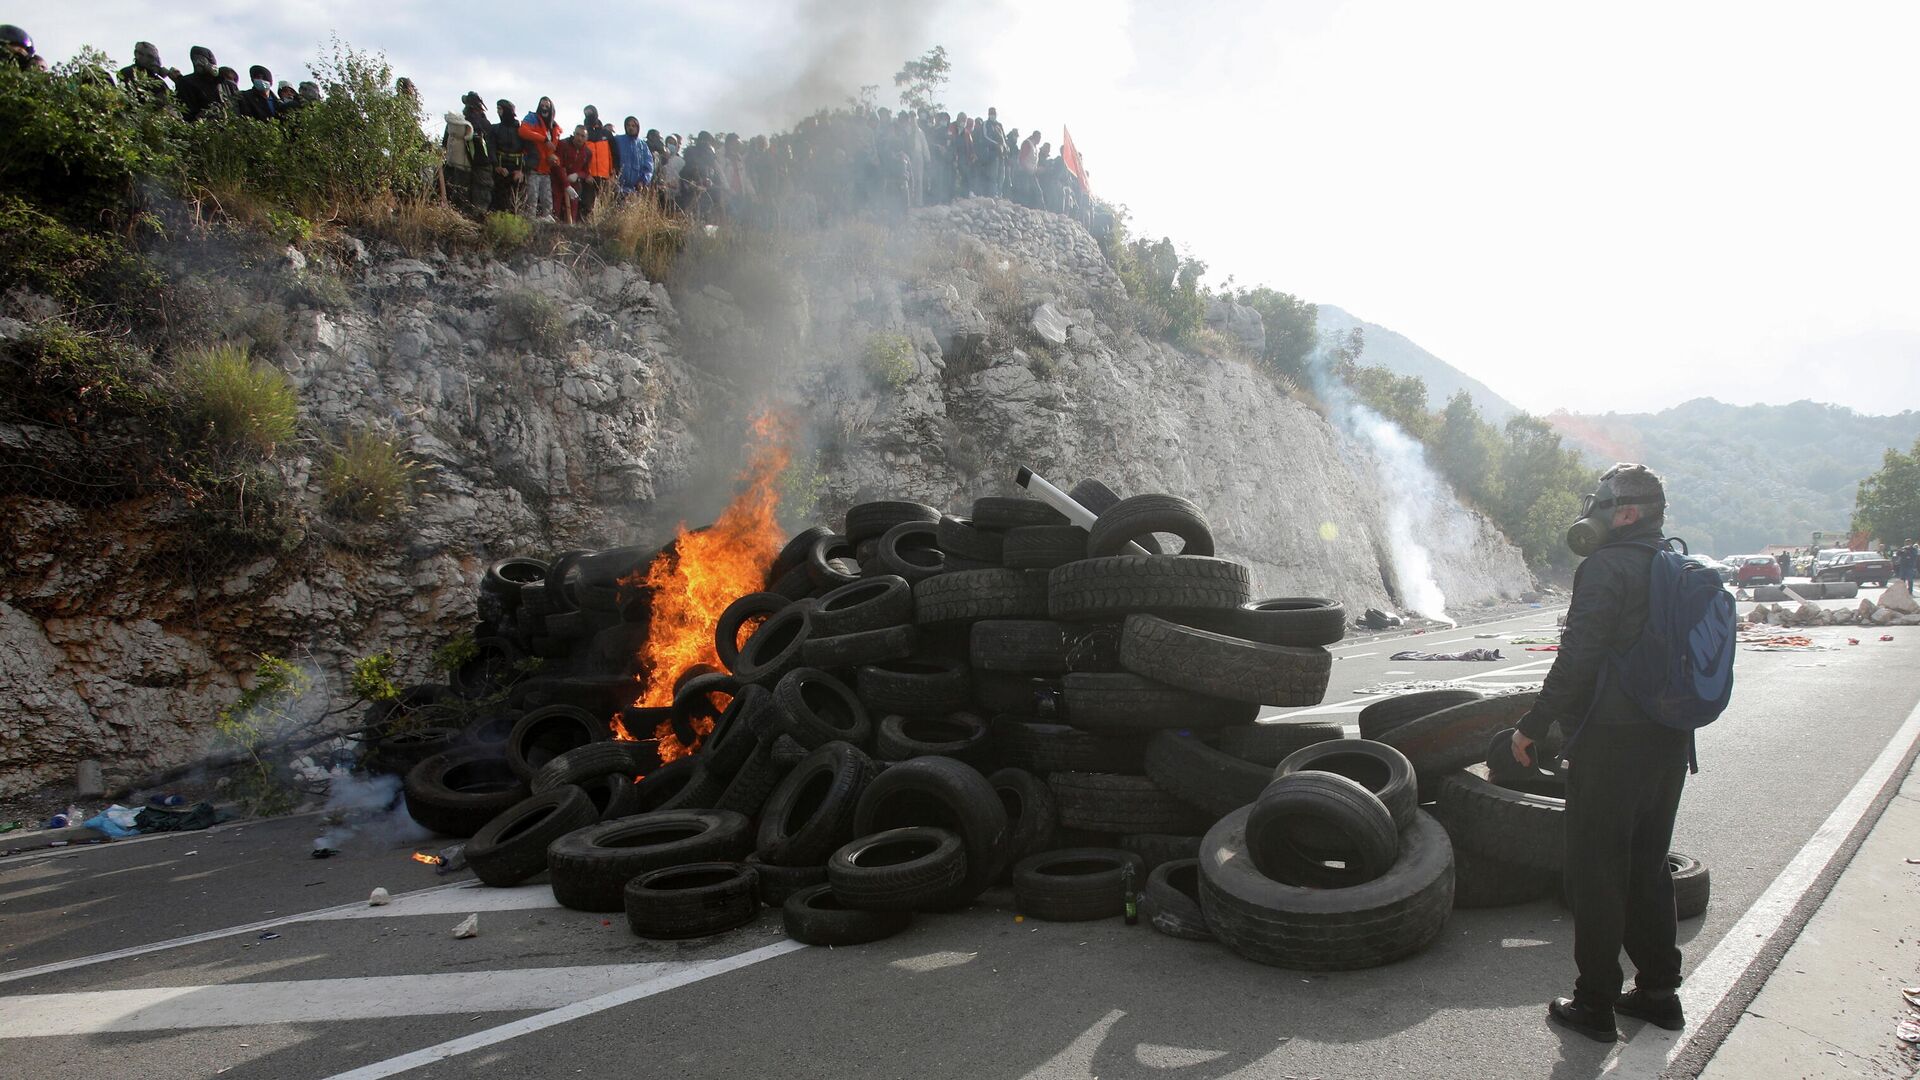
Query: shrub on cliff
234,403
371,478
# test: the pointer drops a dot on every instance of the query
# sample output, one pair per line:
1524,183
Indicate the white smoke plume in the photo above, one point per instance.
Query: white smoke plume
1422,512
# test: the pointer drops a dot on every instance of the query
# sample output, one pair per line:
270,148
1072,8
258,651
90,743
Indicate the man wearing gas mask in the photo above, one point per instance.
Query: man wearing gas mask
1625,771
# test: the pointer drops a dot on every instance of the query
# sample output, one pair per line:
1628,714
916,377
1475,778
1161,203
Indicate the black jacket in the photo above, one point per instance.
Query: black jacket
199,92
1608,612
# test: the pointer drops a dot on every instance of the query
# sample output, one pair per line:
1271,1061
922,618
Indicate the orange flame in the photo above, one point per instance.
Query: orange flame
430,860
695,579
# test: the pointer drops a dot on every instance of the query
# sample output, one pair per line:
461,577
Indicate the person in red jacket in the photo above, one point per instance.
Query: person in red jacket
540,137
572,163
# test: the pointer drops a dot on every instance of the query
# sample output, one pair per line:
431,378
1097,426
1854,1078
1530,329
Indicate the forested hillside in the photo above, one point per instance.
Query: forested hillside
1741,477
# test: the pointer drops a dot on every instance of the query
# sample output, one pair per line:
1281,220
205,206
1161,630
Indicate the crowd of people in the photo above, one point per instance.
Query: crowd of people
532,163
830,164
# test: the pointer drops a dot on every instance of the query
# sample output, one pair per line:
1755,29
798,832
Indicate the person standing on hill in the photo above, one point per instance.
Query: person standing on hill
571,162
633,157
540,139
509,160
146,78
1626,772
202,91
257,102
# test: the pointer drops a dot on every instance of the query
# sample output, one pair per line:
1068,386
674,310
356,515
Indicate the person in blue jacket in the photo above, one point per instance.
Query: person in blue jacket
633,158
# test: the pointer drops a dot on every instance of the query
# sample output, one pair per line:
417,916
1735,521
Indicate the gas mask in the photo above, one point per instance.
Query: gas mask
1595,525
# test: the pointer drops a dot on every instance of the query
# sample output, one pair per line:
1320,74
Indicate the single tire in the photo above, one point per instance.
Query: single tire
505,578
1004,513
700,790
1042,748
1203,777
1110,803
1529,830
738,730
1171,901
1122,702
492,729
1488,881
744,614
1022,646
1375,766
867,604
491,669
547,732
1297,621
845,651
656,788
816,916
1388,713
775,883
1692,885
816,708
513,846
960,538
457,792
795,584
832,563
1144,515
911,551
1076,884
1043,547
945,794
1224,667
605,568
561,579
594,760
1157,848
968,596
1352,840
794,554
774,649
1387,919
904,869
1122,585
868,520
399,752
1094,495
958,735
695,900
1454,738
753,785
1269,742
699,704
914,686
1032,817
590,867
810,814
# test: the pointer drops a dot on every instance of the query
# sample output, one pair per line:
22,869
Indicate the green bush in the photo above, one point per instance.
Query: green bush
78,269
371,478
74,143
534,317
888,360
59,371
506,231
235,403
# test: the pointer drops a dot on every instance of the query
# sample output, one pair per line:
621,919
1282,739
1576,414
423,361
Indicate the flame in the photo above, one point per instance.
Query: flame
702,572
430,860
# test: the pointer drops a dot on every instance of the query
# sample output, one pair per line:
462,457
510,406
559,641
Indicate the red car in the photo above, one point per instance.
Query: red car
1758,570
1857,566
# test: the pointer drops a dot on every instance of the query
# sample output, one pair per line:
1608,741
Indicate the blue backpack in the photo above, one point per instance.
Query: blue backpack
1680,670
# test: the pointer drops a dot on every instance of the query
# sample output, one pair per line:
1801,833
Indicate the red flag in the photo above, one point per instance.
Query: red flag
1071,158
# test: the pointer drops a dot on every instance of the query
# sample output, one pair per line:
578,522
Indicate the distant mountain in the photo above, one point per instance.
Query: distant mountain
1397,353
1740,477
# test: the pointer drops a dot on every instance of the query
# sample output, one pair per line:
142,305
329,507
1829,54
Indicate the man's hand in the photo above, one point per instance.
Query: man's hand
1523,750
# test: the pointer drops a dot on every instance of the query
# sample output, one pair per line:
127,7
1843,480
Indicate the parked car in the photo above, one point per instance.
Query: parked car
1858,566
1724,571
1758,570
1824,558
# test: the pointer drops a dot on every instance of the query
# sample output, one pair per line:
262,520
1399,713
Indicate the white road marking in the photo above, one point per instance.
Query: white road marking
1337,707
692,973
1500,671
1359,655
461,901
1652,1049
175,1008
215,935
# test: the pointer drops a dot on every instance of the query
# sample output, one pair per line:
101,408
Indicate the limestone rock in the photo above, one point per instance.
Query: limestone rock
1049,325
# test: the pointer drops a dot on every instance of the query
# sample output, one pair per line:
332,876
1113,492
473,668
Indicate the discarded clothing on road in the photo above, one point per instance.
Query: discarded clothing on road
200,816
1470,654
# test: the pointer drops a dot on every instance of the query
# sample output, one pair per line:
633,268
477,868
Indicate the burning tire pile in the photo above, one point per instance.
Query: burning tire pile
922,706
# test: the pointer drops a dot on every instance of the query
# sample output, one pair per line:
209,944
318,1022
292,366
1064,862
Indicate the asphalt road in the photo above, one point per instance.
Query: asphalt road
546,992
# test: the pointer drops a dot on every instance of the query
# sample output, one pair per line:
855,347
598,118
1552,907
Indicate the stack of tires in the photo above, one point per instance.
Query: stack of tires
1506,821
1332,866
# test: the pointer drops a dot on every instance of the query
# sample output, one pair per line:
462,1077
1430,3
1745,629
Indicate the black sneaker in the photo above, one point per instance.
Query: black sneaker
1594,1022
1662,1010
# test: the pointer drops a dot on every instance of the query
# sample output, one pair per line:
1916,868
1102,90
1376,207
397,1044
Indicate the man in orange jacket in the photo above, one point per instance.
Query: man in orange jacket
541,138
599,161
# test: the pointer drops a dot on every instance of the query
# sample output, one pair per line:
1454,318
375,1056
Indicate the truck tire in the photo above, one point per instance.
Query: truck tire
1121,585
1145,515
1321,830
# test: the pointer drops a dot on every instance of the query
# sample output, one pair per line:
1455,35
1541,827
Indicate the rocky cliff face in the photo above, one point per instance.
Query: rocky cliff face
567,403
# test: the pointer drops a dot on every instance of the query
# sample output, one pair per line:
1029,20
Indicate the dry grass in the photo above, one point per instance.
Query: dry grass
638,231
416,226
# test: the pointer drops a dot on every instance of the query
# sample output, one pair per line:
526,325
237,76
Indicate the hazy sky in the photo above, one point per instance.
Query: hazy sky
1595,207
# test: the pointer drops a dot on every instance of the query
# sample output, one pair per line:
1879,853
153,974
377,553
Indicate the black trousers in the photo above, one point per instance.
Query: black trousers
1623,790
